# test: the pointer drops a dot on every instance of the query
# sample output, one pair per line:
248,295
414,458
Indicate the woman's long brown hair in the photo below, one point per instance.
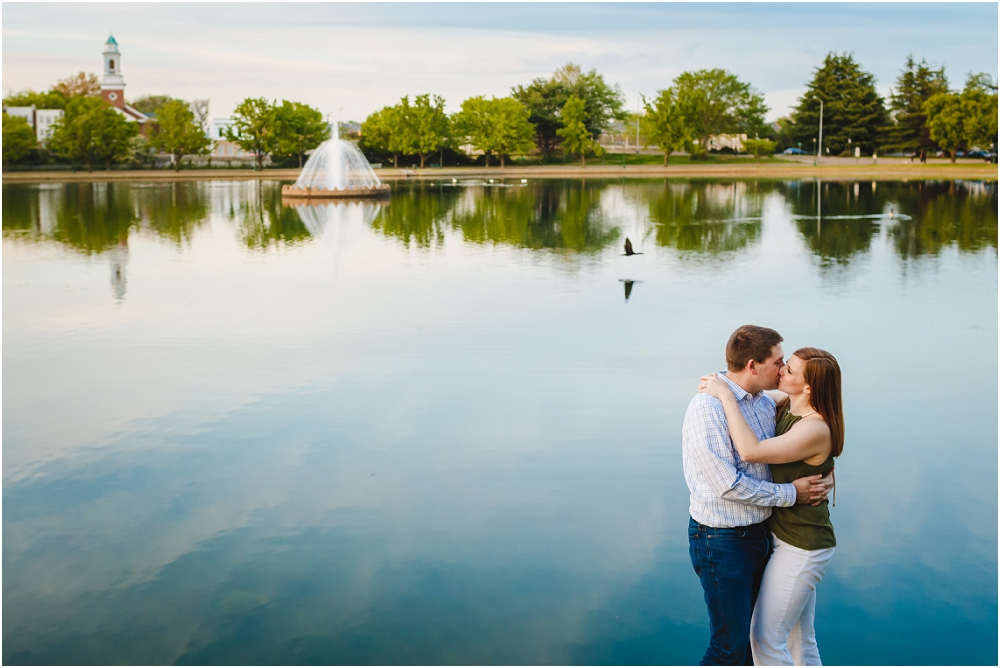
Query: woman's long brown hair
822,373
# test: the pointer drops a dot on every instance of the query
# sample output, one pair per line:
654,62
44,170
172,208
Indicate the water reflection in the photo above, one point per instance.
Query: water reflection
455,461
544,215
416,213
262,219
707,217
944,213
837,222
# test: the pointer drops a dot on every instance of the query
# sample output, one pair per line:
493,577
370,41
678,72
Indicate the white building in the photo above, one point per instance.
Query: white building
222,147
735,142
44,118
40,120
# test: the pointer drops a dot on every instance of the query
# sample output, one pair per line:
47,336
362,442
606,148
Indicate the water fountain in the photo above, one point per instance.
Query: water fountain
336,169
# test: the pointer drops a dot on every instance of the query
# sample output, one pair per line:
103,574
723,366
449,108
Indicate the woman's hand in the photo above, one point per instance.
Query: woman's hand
712,384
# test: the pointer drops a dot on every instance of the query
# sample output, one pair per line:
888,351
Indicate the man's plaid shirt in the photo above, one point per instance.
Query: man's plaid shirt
725,490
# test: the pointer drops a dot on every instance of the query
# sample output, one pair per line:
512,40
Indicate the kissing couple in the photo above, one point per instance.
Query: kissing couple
759,442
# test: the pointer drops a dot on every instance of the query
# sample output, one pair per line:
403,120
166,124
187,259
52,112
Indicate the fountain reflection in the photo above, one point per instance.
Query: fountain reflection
338,223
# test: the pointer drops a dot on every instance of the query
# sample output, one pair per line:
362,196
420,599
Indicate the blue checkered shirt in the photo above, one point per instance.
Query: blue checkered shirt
725,490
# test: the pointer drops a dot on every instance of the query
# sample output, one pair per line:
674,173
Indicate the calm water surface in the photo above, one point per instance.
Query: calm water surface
446,429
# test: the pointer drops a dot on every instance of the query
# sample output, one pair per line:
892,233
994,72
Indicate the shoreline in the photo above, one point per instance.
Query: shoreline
790,170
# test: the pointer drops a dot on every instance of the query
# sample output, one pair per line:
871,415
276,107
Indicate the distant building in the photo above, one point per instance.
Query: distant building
222,147
734,142
39,119
113,86
44,118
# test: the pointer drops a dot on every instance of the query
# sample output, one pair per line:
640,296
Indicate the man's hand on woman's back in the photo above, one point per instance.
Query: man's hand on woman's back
813,489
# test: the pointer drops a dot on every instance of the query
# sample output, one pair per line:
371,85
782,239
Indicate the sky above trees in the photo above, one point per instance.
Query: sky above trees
351,59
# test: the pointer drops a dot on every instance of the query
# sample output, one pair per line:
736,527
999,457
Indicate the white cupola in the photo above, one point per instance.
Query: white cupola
112,66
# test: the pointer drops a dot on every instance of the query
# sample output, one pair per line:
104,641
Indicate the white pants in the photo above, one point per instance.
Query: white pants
781,630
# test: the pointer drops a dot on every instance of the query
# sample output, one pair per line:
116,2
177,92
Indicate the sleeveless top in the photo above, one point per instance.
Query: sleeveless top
804,526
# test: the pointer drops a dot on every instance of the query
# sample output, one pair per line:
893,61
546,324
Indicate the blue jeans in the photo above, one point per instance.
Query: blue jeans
730,563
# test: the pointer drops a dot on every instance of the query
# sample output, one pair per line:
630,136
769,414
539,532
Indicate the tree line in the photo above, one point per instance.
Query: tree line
923,114
91,131
566,113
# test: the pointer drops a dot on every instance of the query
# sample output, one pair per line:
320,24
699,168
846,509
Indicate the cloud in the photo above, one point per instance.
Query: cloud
359,58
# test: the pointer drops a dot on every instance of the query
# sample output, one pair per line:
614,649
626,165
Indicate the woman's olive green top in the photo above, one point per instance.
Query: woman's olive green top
804,526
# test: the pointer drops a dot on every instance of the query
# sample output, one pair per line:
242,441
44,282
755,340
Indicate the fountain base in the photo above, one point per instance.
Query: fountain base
381,190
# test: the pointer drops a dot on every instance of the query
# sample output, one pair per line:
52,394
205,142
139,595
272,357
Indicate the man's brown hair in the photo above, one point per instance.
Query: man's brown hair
750,342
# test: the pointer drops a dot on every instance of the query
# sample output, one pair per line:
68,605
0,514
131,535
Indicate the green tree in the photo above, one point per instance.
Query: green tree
759,147
497,126
18,138
376,132
253,128
979,106
576,138
176,132
300,128
91,130
545,99
852,108
49,100
908,133
148,104
946,121
426,126
716,102
665,124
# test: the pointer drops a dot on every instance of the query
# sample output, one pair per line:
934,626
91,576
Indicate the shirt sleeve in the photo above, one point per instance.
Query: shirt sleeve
711,447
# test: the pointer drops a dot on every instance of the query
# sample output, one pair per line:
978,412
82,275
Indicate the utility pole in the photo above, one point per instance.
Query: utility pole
820,152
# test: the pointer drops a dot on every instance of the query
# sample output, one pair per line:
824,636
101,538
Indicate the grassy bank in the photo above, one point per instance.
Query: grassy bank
767,168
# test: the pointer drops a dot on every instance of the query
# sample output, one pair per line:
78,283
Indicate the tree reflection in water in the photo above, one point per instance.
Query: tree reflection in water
700,217
262,219
704,217
542,215
839,219
416,213
945,213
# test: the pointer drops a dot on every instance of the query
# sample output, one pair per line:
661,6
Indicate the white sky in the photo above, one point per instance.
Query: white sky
350,59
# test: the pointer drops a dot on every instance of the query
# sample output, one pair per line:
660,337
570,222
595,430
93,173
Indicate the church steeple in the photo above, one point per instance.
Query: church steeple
112,83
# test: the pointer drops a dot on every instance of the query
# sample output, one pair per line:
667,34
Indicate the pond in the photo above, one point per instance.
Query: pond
445,428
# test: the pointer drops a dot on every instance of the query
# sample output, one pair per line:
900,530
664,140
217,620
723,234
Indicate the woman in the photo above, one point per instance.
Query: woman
809,433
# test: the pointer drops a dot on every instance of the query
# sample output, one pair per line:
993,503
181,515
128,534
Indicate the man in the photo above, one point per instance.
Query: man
731,499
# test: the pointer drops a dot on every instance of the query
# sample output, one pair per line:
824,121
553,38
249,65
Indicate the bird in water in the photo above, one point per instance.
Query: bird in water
628,248
892,213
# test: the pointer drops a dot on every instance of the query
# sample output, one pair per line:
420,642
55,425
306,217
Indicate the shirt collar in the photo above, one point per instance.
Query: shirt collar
740,393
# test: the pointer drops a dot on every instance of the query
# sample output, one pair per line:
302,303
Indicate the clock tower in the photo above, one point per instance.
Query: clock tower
112,83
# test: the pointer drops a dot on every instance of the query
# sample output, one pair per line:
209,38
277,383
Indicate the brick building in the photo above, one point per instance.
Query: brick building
113,86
